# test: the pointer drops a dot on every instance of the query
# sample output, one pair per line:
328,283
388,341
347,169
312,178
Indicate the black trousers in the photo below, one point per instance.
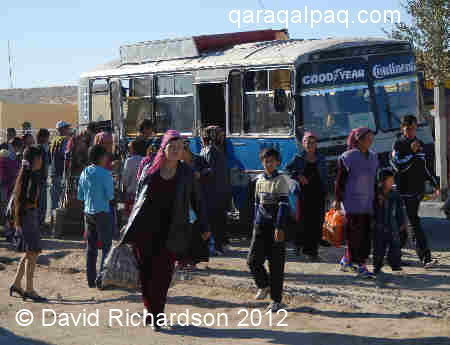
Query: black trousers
311,233
412,209
386,239
218,223
262,247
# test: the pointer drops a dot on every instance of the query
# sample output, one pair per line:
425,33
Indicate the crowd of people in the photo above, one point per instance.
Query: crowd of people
176,202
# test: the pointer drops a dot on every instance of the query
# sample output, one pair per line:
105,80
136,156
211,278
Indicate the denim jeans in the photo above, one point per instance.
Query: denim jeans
99,228
56,190
43,202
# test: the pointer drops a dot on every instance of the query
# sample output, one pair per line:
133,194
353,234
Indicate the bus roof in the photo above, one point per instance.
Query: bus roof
277,53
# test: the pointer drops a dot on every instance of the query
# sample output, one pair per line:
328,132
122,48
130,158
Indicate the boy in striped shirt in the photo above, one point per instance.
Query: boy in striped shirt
268,240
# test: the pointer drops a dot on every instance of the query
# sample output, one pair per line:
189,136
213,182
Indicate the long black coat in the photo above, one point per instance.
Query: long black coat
180,233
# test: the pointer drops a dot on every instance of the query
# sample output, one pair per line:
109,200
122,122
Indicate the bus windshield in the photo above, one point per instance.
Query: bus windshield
334,112
396,98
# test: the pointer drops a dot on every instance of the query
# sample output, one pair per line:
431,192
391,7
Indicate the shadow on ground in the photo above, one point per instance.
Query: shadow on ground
9,338
280,337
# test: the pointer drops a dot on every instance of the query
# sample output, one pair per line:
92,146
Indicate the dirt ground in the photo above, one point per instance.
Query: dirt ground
323,305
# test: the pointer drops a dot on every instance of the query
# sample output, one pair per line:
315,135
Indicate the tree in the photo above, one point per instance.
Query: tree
429,34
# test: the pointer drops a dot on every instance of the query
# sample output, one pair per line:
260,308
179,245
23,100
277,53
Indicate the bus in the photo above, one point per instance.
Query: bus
265,89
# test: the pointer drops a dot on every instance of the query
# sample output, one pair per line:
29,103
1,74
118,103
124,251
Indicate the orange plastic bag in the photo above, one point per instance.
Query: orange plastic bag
334,227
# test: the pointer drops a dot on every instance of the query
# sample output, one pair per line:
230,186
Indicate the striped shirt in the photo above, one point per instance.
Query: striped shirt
271,200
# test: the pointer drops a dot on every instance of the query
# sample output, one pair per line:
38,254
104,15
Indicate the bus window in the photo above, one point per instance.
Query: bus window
100,100
334,112
235,103
280,79
260,115
335,98
138,104
183,85
174,104
164,86
396,98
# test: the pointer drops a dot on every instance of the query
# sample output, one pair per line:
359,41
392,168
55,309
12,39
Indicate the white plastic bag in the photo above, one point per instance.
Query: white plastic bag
120,268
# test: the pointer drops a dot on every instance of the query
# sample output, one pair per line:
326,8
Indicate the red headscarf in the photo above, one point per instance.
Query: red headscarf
161,155
355,136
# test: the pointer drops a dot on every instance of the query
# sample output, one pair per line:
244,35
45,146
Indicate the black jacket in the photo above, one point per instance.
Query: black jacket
180,232
411,168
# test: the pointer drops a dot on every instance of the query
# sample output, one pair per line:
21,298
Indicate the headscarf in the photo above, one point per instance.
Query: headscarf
355,136
161,155
102,138
308,135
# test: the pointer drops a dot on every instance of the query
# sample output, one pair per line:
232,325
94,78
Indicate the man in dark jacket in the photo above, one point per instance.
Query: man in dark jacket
409,162
57,157
218,191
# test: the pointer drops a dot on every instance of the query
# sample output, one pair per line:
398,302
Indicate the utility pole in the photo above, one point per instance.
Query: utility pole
441,135
10,62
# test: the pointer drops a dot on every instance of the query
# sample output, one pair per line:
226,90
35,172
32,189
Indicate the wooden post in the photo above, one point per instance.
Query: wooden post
441,137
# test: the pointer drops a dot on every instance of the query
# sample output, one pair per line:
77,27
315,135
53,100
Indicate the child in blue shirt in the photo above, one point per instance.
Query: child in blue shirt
96,190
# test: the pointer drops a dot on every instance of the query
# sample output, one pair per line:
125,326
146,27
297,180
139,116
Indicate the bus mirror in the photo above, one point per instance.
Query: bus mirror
280,100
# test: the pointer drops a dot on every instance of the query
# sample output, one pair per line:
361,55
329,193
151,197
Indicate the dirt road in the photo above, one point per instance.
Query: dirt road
323,305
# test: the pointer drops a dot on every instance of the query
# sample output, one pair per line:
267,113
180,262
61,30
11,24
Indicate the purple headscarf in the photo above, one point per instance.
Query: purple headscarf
161,156
355,136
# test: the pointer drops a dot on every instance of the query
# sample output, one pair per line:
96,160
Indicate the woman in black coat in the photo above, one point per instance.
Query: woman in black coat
159,227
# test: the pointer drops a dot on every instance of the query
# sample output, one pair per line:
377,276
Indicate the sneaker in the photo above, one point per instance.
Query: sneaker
262,293
274,307
363,272
175,278
99,283
346,266
430,263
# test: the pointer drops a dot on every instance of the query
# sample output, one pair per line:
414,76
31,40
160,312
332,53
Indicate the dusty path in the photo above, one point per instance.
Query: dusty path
324,306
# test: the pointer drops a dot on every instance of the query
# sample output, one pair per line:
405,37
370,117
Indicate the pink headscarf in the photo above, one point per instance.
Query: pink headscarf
308,135
355,135
102,137
161,155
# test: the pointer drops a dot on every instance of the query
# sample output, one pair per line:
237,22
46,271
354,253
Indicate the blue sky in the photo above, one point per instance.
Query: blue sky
53,42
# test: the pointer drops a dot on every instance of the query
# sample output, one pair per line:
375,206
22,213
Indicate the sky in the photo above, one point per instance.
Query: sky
53,42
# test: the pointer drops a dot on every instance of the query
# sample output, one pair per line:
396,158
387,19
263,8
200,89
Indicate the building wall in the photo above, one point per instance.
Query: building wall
40,115
44,95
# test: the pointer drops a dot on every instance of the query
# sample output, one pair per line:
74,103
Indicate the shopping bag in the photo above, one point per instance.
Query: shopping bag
334,227
120,268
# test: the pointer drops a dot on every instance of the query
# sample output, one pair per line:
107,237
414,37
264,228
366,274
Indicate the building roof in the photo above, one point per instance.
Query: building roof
44,95
277,52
